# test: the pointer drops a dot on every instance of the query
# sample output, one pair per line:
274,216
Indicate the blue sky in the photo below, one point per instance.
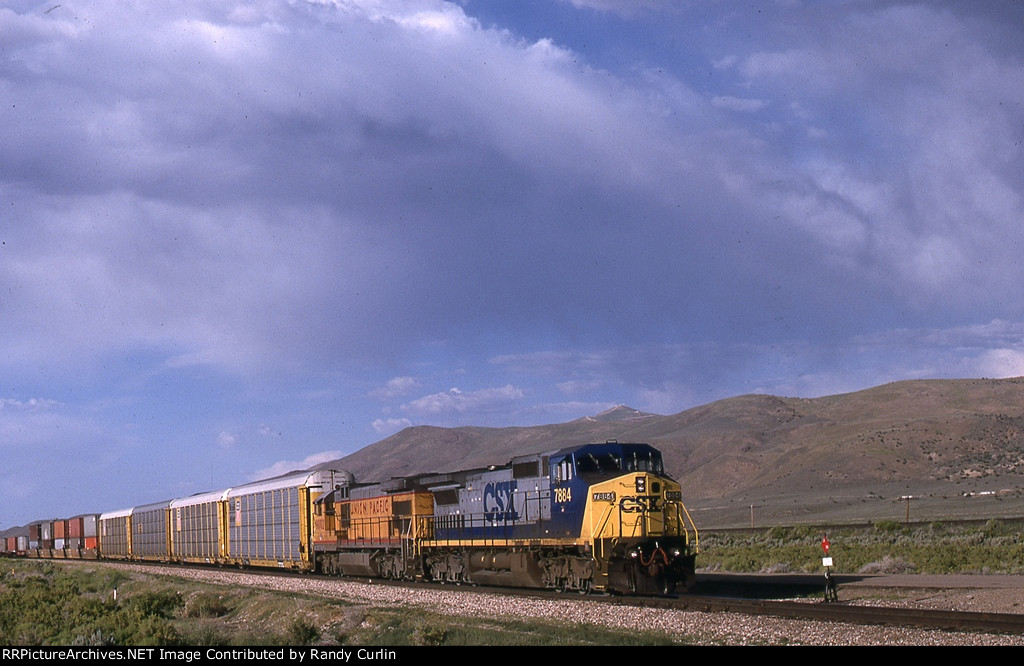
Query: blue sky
241,238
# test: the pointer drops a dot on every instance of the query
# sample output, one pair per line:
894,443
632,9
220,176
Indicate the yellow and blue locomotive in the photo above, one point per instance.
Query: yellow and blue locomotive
592,517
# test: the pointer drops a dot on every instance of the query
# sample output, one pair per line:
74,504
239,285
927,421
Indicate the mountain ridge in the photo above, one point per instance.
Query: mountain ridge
951,436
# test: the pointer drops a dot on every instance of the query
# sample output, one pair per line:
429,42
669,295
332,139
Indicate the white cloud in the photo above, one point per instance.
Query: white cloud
47,429
666,379
285,466
456,402
32,404
390,426
737,103
573,386
624,7
449,22
725,62
669,398
1001,363
395,387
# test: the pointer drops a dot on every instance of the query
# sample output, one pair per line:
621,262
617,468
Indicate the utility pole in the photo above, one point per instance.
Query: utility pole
906,520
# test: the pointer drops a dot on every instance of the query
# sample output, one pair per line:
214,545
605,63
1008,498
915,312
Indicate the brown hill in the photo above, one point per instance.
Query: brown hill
432,449
938,440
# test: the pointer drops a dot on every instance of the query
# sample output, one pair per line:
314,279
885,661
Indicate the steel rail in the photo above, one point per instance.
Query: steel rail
947,620
900,616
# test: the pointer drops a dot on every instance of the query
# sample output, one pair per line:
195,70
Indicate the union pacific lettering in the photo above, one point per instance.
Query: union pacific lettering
376,506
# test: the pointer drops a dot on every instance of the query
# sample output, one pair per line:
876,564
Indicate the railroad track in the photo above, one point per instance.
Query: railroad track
893,616
922,618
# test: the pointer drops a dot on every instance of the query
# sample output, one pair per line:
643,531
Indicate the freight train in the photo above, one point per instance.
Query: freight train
596,517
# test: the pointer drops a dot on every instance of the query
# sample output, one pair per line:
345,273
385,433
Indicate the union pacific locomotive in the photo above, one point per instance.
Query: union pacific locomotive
601,517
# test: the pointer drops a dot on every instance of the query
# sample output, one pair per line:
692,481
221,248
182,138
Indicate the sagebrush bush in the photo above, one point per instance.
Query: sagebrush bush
206,605
302,632
996,547
52,606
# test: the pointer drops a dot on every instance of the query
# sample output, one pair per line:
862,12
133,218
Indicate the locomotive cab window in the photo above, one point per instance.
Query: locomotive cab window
603,463
644,462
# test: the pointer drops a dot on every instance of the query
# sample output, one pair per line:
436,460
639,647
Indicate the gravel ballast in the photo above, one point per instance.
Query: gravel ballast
689,627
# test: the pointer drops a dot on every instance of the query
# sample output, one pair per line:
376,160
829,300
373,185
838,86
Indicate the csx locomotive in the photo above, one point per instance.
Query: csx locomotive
601,517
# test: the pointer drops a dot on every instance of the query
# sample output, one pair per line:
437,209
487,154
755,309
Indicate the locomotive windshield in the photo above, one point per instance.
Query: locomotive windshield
590,463
621,459
644,461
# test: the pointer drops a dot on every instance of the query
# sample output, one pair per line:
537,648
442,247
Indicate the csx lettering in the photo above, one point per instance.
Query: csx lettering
498,501
639,504
563,494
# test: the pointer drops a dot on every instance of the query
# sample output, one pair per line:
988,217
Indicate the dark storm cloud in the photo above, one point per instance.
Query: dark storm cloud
210,178
326,214
215,176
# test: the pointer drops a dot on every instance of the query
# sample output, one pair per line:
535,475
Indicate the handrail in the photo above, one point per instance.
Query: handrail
637,523
604,523
681,523
696,534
